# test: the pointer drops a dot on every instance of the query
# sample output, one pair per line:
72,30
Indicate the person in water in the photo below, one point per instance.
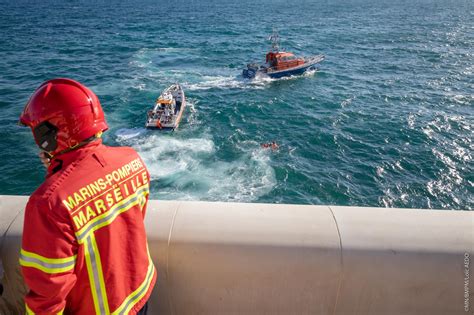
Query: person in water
270,145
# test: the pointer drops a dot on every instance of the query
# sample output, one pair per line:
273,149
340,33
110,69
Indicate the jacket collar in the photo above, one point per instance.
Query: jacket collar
62,161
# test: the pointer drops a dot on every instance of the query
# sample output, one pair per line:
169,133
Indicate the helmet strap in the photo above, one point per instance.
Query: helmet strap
77,145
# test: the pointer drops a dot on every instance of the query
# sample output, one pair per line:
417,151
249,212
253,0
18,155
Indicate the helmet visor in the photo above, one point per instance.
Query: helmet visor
45,136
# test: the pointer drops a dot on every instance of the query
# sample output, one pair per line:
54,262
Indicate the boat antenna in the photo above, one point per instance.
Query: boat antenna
275,40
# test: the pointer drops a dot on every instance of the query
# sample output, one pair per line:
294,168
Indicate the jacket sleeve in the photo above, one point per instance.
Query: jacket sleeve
47,257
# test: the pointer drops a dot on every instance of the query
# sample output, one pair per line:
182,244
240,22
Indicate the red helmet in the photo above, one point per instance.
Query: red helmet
62,113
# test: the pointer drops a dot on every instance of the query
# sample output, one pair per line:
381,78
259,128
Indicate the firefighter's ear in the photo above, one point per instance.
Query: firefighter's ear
45,135
45,158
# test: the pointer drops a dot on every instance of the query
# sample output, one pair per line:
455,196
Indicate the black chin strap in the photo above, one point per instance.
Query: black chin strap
74,147
58,166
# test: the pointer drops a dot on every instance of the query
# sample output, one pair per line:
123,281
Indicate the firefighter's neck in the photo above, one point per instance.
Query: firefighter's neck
63,159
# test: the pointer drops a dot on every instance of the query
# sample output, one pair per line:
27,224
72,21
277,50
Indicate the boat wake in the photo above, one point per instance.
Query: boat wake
188,168
125,134
152,67
238,82
211,82
261,79
227,82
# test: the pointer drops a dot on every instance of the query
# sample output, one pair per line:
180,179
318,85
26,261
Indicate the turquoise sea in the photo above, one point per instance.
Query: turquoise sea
387,121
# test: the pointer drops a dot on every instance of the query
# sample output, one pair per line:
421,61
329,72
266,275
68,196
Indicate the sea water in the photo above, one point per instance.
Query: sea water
386,121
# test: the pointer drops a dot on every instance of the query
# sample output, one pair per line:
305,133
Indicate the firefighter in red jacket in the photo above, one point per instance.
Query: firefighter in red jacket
84,247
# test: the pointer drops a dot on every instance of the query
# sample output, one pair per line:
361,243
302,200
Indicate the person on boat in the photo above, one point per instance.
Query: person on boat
167,111
158,124
84,248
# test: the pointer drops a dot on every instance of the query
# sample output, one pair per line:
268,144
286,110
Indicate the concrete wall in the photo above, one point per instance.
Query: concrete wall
229,258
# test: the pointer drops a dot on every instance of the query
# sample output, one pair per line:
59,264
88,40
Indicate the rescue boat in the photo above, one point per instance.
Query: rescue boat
168,109
280,63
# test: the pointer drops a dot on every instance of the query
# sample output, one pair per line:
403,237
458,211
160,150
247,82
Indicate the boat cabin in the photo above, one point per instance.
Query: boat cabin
283,60
168,109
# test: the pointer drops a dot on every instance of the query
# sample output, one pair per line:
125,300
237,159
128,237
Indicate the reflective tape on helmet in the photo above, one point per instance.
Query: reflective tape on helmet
48,265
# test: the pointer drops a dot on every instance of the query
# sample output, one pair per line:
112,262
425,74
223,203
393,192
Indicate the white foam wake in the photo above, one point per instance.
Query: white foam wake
226,82
188,169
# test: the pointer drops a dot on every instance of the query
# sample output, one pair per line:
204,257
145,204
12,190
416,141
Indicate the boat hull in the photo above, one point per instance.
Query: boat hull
290,72
162,128
158,124
253,70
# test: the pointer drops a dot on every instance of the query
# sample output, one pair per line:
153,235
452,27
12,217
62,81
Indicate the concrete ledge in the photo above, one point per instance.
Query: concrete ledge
220,258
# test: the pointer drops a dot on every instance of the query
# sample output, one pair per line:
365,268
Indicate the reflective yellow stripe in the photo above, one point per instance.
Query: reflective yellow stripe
108,217
142,200
139,293
101,275
30,312
96,277
48,265
48,260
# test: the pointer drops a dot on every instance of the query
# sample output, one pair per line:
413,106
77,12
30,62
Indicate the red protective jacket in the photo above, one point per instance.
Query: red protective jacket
84,248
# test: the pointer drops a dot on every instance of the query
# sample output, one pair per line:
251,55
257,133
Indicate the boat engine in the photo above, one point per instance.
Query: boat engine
251,70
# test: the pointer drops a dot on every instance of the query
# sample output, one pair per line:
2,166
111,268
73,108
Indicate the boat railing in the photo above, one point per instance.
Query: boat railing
251,258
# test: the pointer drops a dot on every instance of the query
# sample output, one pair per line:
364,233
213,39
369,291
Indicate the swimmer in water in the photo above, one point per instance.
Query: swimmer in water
273,145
